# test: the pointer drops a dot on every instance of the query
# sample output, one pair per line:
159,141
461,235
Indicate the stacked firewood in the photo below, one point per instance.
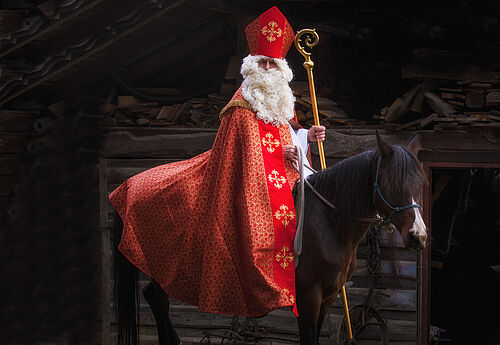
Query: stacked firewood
427,105
195,112
449,91
204,111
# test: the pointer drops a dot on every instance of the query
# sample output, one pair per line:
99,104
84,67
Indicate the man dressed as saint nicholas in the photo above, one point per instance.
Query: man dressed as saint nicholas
217,230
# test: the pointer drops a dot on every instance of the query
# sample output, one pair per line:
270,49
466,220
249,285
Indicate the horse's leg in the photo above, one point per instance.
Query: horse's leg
308,306
159,303
323,311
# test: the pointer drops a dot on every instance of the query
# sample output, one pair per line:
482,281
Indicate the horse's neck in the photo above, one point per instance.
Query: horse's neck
353,195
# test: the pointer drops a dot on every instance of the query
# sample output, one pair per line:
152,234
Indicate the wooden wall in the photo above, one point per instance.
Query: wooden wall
129,151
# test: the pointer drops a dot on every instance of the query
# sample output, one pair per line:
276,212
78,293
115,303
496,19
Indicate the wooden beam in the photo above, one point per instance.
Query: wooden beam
16,121
461,141
124,144
480,157
95,50
341,145
466,73
50,27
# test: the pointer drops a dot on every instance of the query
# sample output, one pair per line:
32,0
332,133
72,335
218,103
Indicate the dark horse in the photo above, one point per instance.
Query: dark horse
386,180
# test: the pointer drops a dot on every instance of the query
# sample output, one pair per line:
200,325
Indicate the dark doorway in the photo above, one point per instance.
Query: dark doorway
465,256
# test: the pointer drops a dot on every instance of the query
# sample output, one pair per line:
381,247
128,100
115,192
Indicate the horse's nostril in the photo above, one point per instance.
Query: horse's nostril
413,241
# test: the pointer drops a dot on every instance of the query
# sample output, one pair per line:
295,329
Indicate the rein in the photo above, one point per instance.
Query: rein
301,202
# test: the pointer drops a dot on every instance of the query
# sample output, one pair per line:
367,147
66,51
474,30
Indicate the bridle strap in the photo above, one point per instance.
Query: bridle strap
394,209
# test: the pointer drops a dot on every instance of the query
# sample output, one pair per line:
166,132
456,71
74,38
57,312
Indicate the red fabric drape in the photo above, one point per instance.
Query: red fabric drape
203,228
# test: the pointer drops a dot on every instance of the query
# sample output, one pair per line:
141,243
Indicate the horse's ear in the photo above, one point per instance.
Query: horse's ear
415,145
383,148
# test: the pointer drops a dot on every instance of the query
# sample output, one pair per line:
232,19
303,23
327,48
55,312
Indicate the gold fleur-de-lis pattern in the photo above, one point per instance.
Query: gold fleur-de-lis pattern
285,257
284,215
270,142
276,179
271,31
289,298
282,208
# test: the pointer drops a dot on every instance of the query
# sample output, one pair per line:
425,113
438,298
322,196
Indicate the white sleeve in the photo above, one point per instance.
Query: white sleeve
299,137
302,136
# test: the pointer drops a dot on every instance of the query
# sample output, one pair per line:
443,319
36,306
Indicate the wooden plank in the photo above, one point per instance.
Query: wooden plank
484,157
16,121
387,252
386,281
493,99
460,140
281,322
10,164
398,300
408,268
339,145
125,144
438,105
399,330
12,142
151,131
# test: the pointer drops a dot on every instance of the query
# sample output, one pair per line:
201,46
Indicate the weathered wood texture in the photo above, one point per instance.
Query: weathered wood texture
132,150
479,146
16,129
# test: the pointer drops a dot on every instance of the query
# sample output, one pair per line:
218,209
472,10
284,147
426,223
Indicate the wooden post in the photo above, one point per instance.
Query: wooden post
105,253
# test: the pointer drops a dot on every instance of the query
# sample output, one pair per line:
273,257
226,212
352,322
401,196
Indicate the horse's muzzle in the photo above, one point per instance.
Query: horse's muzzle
414,242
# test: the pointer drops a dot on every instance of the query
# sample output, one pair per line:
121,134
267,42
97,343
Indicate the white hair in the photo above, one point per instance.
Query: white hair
268,92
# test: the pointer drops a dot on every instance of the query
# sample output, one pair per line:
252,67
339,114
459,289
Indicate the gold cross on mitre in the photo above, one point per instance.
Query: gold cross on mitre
269,31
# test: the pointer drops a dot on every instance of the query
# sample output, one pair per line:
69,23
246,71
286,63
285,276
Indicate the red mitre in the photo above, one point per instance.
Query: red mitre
270,34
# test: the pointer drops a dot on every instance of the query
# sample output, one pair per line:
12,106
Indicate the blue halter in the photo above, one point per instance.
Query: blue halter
387,220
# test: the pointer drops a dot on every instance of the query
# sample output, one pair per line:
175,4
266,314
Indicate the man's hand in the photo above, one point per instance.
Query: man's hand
290,153
316,133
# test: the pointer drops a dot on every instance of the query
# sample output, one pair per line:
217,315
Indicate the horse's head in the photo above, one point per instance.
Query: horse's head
397,192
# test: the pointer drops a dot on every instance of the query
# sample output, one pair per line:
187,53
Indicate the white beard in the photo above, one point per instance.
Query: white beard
268,92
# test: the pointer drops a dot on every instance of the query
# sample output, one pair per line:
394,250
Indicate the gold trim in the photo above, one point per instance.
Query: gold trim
234,103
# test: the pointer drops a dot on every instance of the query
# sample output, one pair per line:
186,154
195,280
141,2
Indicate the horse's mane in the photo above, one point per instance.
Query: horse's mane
349,183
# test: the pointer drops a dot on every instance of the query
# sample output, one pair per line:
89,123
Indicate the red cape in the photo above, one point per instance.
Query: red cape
203,228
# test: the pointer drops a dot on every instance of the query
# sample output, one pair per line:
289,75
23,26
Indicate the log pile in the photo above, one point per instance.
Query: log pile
203,112
195,112
467,104
444,99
